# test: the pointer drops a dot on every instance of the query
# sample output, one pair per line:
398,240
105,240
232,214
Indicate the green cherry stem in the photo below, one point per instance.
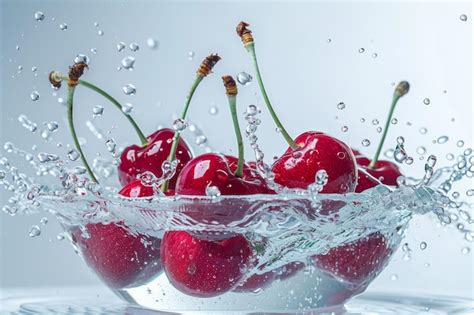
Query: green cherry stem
401,89
70,119
204,70
231,89
106,95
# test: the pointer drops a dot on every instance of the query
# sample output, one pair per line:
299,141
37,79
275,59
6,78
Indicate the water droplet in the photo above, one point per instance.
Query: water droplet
34,231
470,192
450,156
362,120
463,17
34,96
366,142
394,121
129,89
39,16
28,124
152,43
63,26
110,145
100,32
200,140
94,50
374,55
244,78
213,191
52,126
394,277
252,110
128,63
73,155
2,174
344,128
191,269
120,46
97,110
44,221
442,139
423,245
379,129
191,55
460,143
213,110
127,108
179,124
60,236
423,130
81,58
96,24
426,101
375,122
361,50
341,105
34,69
421,150
134,47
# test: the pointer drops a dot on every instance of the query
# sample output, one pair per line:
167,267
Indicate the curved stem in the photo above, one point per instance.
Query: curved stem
98,90
177,133
251,49
70,119
396,97
238,134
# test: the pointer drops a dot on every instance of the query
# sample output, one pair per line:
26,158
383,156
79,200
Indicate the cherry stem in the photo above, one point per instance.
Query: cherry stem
98,90
177,133
251,49
233,111
401,89
70,118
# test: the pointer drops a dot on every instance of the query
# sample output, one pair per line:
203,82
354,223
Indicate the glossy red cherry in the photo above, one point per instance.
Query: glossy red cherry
317,151
136,160
119,258
365,180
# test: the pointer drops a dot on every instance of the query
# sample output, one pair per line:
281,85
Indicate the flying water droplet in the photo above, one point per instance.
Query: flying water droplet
110,145
465,250
379,129
244,78
442,139
361,50
460,143
394,277
375,55
213,191
423,245
201,140
213,110
128,63
427,101
120,46
127,108
39,16
191,55
180,124
34,96
63,26
44,221
134,47
129,89
28,124
423,130
34,231
97,110
81,58
341,105
366,142
344,128
52,126
73,155
394,121
252,110
375,122
152,43
463,17
100,32
421,150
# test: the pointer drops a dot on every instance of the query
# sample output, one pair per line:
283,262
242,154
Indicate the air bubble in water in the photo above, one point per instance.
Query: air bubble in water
34,231
366,142
442,139
39,16
361,50
426,101
463,17
213,110
73,155
128,63
63,26
244,78
179,124
97,110
129,89
127,108
81,58
152,43
213,191
120,46
52,126
341,105
134,47
34,96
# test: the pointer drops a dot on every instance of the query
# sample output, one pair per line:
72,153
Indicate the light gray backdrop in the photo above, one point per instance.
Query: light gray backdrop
309,55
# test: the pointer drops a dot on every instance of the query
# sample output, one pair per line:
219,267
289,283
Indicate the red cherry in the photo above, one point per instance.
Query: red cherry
356,262
136,160
202,267
317,151
365,180
385,171
119,258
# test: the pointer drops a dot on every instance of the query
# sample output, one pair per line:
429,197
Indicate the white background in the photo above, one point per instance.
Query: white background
306,77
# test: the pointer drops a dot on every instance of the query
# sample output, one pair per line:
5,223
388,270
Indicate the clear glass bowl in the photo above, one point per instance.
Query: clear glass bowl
305,252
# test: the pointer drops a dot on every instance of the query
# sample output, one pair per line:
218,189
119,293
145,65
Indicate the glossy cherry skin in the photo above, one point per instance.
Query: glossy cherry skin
365,180
198,266
119,258
356,262
317,151
136,160
385,171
